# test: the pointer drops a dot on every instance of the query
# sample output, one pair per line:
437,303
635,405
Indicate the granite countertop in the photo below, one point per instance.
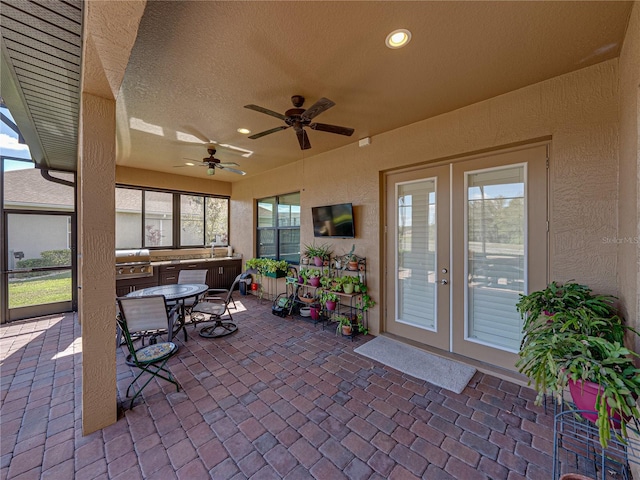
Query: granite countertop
192,260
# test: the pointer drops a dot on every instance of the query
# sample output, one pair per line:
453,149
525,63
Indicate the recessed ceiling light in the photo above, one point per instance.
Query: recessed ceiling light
189,164
244,131
398,38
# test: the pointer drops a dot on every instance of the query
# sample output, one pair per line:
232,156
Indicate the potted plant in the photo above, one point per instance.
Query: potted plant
319,253
315,311
580,340
349,283
329,299
306,297
557,297
268,267
344,325
314,277
352,258
303,278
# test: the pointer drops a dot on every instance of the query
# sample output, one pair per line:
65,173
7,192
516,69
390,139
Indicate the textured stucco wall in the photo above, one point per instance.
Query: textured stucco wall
148,178
579,110
109,31
629,179
96,175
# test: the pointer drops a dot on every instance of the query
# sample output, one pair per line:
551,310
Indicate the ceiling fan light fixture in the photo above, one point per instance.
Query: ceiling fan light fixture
189,164
398,38
244,131
211,171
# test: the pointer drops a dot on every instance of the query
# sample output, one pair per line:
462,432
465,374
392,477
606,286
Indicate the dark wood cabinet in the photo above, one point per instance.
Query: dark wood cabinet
128,285
221,273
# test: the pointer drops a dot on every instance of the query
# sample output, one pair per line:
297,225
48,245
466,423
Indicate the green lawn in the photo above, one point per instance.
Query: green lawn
55,288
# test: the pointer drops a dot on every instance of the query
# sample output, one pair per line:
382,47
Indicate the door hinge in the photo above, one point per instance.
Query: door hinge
547,226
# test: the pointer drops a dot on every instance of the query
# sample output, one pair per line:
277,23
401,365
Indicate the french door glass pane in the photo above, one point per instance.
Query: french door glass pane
158,219
128,218
191,220
495,207
416,253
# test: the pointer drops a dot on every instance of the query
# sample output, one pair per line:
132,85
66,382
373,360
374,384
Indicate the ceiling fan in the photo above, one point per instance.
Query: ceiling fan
298,118
212,163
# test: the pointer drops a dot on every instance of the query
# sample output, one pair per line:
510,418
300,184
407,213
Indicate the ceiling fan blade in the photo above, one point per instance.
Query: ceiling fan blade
265,110
323,127
317,108
267,132
303,139
229,164
234,170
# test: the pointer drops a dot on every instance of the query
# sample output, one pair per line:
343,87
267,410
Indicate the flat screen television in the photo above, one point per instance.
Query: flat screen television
333,221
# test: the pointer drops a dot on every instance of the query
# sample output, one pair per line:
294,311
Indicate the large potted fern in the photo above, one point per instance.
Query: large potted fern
574,338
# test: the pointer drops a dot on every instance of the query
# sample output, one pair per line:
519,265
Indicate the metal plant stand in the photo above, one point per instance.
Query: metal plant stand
577,449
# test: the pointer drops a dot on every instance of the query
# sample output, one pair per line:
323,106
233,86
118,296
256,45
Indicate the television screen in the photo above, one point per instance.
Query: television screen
333,221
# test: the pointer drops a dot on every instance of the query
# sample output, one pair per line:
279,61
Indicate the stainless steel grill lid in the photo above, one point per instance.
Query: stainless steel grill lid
133,263
141,255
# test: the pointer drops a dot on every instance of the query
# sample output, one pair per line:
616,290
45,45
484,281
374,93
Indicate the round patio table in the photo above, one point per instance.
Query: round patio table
178,292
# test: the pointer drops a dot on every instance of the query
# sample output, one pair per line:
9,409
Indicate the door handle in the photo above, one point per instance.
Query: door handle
444,282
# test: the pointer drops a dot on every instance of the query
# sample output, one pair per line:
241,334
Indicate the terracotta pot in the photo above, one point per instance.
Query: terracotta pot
353,265
574,476
346,329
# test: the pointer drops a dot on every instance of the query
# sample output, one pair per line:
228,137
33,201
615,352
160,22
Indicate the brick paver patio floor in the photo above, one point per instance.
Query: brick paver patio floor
281,398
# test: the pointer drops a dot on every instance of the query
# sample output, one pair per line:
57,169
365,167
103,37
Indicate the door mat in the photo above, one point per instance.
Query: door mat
439,371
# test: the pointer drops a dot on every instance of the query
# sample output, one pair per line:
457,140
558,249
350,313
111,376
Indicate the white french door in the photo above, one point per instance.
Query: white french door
463,241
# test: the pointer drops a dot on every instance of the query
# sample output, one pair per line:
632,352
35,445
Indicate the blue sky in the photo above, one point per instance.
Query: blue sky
10,147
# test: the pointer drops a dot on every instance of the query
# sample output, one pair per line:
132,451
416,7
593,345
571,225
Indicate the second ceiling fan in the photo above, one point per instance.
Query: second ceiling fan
298,118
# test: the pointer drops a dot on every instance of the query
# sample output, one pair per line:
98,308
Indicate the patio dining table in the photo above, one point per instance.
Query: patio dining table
176,292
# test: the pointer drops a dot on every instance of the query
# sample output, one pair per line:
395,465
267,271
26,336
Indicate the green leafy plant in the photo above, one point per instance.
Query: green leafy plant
305,273
341,321
323,250
267,265
327,296
571,334
558,298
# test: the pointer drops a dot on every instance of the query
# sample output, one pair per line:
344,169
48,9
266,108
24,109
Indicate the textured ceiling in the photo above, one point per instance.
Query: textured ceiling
41,50
195,64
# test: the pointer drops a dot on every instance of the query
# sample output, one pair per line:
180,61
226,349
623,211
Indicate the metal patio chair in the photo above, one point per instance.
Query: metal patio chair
143,315
214,306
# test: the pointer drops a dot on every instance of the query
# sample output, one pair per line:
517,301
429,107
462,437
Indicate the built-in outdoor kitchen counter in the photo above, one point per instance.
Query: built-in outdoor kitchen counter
222,270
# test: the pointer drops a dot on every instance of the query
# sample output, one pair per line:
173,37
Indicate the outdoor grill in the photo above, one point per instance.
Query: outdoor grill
133,263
